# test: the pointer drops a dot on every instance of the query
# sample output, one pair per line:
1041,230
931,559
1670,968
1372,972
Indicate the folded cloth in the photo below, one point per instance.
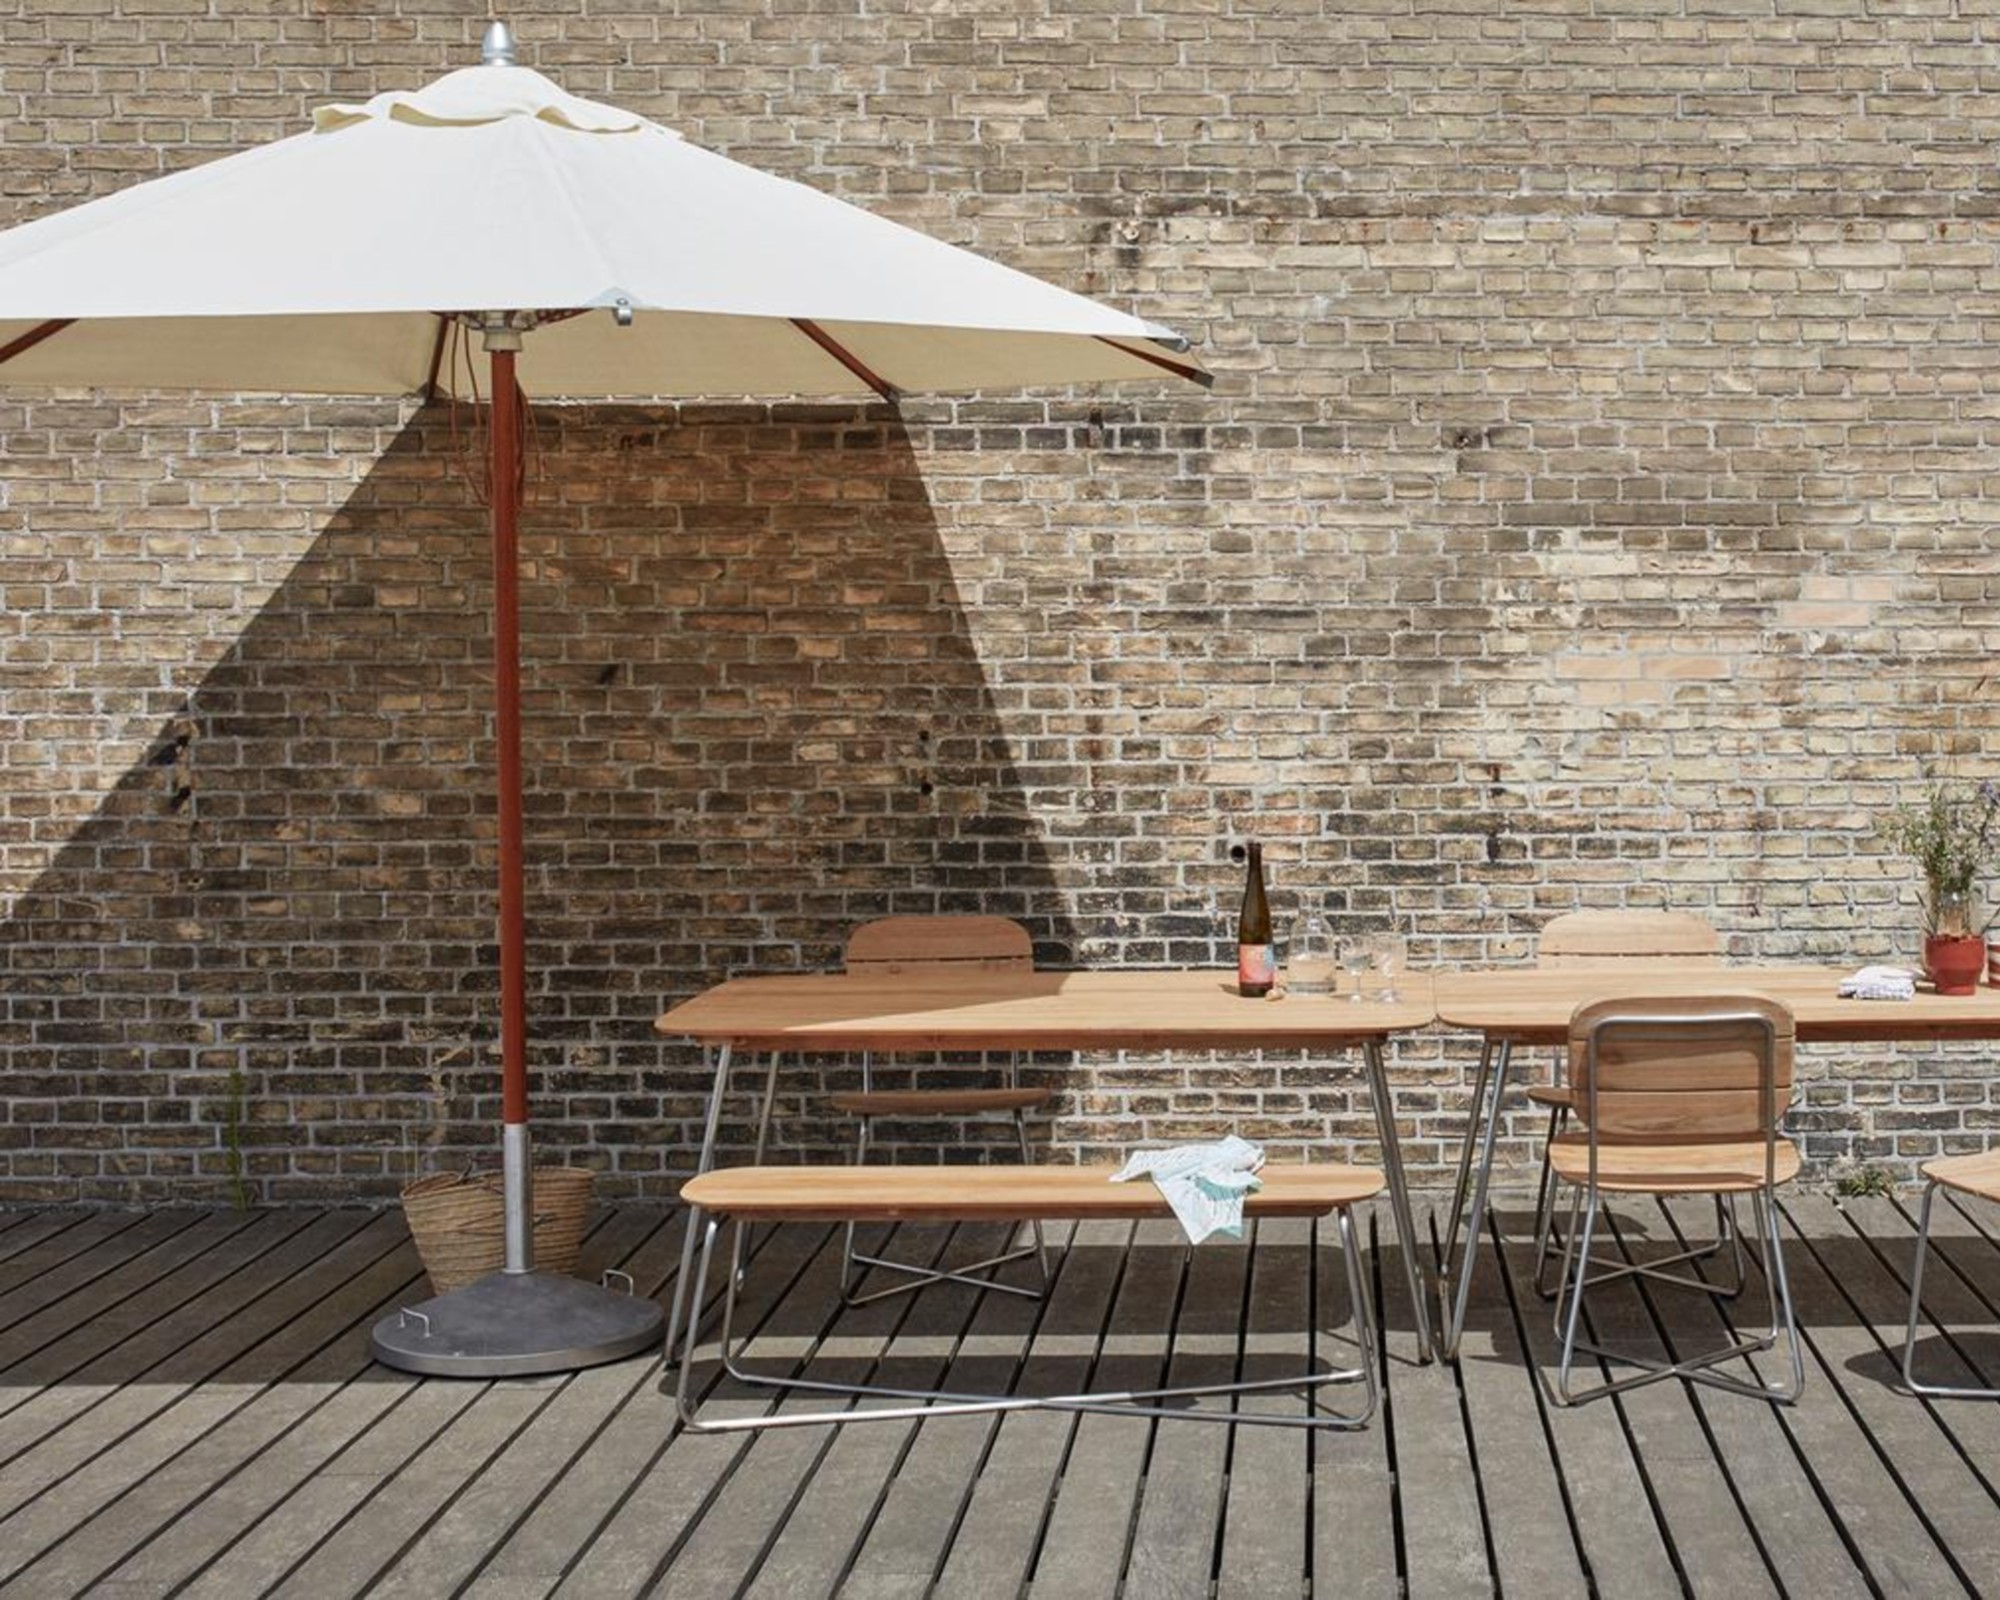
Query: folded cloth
1204,1184
1880,983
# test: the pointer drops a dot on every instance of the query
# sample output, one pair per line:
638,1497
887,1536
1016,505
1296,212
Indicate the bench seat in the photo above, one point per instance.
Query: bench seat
995,1193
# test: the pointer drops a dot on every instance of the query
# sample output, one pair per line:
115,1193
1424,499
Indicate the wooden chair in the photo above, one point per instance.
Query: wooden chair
1978,1176
1676,1096
1608,940
933,944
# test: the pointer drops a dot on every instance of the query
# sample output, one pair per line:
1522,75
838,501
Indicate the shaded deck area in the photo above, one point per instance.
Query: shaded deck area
187,1406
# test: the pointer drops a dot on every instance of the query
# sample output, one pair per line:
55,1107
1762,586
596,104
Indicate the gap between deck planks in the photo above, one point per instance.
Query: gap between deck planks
186,1405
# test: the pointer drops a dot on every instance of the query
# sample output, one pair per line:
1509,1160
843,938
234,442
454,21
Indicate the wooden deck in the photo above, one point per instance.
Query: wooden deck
187,1406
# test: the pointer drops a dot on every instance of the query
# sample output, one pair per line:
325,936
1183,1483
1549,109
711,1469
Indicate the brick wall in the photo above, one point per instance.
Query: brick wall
1591,510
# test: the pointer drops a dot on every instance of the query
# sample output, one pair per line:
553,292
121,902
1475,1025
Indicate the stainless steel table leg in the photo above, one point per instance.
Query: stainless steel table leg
1399,1194
702,1164
1455,1320
1465,1153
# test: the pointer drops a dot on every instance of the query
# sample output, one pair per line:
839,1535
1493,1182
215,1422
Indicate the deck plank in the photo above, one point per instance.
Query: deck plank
1083,1547
47,1347
1265,1521
1179,1524
826,1523
1352,1514
1805,1473
620,1507
212,1425
1712,1541
1535,1551
671,1488
1946,1454
1615,1523
66,1269
337,1530
453,1547
996,1542
186,1373
1438,1501
913,1533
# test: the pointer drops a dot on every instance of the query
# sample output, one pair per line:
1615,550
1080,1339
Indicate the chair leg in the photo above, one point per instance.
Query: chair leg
1932,1391
1577,1277
1545,1203
973,1274
1362,1310
850,1275
1028,1160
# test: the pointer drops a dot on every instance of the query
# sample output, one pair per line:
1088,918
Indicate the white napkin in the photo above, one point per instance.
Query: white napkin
1880,983
1203,1184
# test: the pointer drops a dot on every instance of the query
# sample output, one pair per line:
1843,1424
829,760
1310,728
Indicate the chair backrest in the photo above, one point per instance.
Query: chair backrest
1683,1069
892,944
1614,938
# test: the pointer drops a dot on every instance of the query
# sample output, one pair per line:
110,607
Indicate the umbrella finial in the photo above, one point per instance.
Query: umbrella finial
496,49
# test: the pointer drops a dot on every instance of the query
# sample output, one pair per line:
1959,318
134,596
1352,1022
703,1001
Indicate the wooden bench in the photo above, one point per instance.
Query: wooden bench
987,1194
858,1194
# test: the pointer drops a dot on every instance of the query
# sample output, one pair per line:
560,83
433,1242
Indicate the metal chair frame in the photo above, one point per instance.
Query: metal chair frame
1728,1231
1586,1206
1929,1391
1545,1188
1119,1403
854,1264
978,1274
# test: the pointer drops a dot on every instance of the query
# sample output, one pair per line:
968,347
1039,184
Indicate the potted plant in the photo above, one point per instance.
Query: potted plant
1950,836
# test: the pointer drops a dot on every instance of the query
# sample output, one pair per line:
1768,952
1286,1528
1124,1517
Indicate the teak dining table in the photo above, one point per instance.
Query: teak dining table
987,1010
1532,1006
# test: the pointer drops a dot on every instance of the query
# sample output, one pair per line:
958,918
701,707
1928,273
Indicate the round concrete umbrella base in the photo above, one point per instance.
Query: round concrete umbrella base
515,1323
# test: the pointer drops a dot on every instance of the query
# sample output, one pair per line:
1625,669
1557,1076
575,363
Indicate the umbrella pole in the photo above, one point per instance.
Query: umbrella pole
515,1321
517,1172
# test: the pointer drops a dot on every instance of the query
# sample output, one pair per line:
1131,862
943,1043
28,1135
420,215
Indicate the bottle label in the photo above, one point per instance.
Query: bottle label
1256,967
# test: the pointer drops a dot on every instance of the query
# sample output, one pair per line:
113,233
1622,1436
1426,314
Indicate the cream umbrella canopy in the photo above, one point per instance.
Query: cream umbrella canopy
591,253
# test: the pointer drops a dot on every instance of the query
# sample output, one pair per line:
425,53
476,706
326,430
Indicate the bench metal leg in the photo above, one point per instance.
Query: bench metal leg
1122,1403
1931,1391
703,1162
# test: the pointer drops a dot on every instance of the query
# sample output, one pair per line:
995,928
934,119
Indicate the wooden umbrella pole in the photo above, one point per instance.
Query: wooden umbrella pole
504,433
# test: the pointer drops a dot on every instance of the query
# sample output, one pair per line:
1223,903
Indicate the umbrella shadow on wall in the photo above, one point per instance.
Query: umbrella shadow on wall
754,715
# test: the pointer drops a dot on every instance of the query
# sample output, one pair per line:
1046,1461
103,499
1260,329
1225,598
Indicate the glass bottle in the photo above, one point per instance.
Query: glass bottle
1256,961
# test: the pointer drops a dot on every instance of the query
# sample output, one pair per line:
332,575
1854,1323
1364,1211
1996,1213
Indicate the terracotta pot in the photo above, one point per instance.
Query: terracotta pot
1954,962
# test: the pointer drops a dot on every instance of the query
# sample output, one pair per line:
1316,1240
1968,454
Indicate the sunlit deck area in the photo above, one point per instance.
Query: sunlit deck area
187,1405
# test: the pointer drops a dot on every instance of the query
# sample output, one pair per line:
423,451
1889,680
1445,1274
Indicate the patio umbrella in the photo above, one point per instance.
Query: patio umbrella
590,252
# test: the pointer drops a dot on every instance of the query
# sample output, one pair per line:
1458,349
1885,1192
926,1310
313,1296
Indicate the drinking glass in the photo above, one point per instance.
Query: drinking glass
1385,961
1309,965
1356,961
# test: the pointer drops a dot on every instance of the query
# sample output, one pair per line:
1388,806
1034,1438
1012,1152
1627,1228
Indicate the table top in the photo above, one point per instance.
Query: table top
988,1010
1533,1004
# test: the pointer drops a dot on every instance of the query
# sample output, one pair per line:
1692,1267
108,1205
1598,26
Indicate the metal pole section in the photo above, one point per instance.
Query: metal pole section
504,432
1399,1193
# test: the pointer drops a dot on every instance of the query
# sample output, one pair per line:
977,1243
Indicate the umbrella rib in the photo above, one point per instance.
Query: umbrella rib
1177,368
33,337
429,391
833,347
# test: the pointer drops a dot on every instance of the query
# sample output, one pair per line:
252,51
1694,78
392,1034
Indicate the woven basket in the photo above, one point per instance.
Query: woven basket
460,1230
562,1207
459,1223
